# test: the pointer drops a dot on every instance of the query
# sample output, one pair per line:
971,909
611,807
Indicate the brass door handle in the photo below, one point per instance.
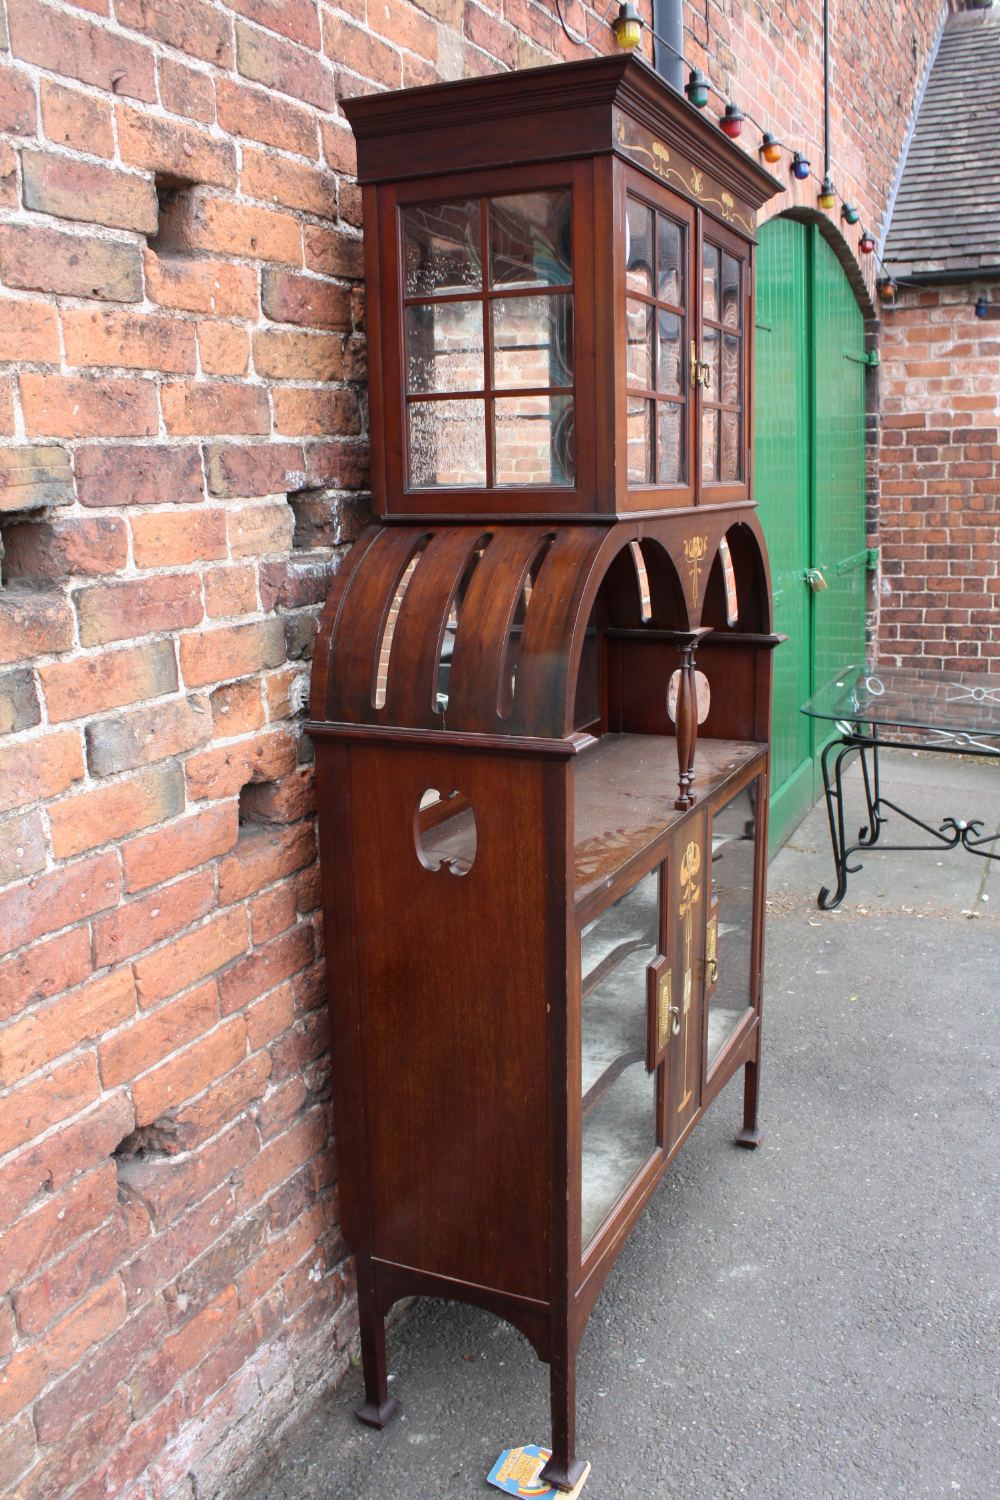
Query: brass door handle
674,1019
701,370
711,969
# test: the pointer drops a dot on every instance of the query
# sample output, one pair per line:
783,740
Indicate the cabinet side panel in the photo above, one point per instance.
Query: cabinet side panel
453,995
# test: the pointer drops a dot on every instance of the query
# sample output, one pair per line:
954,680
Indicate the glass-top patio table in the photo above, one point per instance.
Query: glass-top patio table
911,708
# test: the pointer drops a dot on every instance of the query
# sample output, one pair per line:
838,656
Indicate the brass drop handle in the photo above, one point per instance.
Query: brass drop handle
712,968
674,1019
701,370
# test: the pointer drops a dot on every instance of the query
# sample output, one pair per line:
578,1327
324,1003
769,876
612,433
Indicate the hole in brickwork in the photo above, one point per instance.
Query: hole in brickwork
314,514
173,198
147,1142
256,803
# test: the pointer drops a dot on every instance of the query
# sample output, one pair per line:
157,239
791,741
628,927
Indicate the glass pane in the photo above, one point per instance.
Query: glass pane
730,291
729,446
619,1096
709,444
638,247
670,247
442,247
710,282
530,239
671,460
710,355
730,392
534,438
444,346
639,336
639,425
734,830
670,353
533,340
447,443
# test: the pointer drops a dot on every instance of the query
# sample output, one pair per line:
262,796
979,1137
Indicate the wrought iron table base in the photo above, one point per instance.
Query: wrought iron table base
948,835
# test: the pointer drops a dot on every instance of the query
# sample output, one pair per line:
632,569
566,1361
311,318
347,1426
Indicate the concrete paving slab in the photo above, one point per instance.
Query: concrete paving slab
818,1320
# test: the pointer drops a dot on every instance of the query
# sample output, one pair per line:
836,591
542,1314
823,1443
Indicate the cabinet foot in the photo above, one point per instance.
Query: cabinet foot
377,1414
750,1139
563,1476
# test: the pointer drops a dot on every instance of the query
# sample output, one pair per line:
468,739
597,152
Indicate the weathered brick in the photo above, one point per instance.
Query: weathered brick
271,913
35,1107
76,547
192,957
355,47
112,679
65,1468
71,265
10,196
231,651
282,66
215,1271
147,734
156,1034
266,967
119,611
306,300
276,180
197,222
48,902
208,407
17,103
19,705
28,330
183,1350
139,924
190,26
166,1188
17,1447
202,286
22,851
66,406
132,340
284,355
51,765
190,1071
192,841
339,150
72,118
52,1292
75,1147
145,1439
296,19
112,475
290,584
280,1159
259,116
6,403
177,152
72,189
44,969
171,538
237,708
224,350
231,591
186,91
98,1374
332,252
269,1016
50,1032
262,856
314,411
256,530
237,469
78,49
222,771
111,812
283,801
221,1104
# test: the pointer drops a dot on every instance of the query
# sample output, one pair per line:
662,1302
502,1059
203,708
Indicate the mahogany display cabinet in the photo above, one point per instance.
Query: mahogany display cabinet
541,694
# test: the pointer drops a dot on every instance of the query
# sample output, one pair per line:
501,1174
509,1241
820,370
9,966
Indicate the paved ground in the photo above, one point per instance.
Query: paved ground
819,1320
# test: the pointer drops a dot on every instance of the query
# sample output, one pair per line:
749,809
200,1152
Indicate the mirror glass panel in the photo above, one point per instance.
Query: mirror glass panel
729,949
618,1094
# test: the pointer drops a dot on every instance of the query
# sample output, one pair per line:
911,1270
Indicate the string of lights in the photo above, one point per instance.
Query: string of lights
628,27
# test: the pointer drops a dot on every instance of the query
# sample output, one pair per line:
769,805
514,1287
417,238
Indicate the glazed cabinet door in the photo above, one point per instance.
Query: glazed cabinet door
720,361
733,933
619,951
686,902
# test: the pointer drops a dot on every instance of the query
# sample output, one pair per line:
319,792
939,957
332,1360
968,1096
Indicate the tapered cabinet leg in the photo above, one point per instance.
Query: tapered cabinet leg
379,1407
563,1469
750,1135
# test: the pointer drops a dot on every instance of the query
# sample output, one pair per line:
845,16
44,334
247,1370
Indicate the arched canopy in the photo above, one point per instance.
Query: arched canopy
478,629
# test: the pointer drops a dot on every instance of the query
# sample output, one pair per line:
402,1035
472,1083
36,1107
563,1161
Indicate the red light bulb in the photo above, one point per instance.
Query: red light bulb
731,123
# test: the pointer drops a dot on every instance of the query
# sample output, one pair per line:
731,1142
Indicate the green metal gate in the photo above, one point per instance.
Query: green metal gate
810,483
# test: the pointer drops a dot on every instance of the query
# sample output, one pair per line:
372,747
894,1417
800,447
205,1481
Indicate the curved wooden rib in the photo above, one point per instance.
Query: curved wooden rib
322,669
355,646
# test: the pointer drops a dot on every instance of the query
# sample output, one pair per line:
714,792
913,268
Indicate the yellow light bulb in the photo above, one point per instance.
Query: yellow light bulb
627,26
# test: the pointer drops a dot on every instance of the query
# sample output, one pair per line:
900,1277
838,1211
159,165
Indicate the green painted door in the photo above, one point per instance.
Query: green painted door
809,470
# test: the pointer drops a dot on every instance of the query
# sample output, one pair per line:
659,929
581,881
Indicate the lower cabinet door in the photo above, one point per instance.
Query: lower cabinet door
619,1131
733,931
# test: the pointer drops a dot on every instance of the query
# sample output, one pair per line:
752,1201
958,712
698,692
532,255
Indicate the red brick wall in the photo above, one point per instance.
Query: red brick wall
182,462
940,462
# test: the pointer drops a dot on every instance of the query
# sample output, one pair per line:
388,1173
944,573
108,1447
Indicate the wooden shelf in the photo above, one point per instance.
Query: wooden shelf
624,790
